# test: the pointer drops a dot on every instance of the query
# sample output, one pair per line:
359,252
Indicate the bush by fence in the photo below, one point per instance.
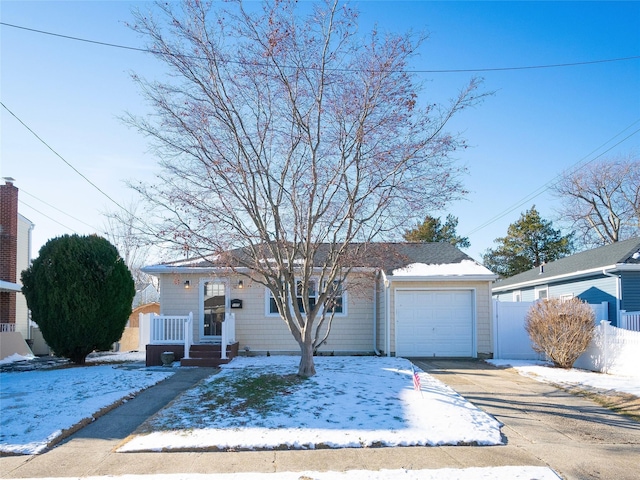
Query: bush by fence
560,329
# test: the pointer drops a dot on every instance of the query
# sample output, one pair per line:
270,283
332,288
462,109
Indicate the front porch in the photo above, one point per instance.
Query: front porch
171,333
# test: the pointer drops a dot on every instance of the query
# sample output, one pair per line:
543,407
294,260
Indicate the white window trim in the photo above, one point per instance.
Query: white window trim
517,296
541,289
567,296
269,313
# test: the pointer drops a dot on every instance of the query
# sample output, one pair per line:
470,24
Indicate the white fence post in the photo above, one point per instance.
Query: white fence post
188,335
605,342
223,342
153,327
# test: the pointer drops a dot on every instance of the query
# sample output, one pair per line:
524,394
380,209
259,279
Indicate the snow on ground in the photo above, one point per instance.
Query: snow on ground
476,473
350,402
116,357
38,405
16,357
545,372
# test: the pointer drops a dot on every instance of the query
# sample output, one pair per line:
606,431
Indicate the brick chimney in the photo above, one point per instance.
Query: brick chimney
8,248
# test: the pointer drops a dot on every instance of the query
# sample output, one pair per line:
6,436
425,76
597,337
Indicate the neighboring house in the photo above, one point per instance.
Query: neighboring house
147,294
130,339
15,256
433,301
606,274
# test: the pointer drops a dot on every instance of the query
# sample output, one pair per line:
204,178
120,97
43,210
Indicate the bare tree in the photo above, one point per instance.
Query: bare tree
124,230
602,201
285,133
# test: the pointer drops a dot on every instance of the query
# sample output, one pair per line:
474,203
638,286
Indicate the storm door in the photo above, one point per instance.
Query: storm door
215,306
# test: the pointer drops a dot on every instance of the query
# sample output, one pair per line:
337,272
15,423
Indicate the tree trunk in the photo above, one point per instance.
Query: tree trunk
307,368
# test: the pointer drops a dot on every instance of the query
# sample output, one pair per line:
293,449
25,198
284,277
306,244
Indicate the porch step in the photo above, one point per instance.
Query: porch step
205,351
209,355
203,362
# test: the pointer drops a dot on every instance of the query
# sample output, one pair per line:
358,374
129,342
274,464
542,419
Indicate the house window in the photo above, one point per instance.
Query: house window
311,294
337,302
566,297
517,296
542,293
273,307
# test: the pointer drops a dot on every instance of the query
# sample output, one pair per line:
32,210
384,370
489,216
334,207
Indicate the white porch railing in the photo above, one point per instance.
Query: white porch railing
228,333
630,320
7,327
171,329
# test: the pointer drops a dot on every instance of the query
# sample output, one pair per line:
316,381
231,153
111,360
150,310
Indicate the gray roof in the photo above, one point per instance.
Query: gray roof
388,256
609,256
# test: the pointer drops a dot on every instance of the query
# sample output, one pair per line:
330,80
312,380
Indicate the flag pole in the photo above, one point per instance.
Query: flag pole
416,381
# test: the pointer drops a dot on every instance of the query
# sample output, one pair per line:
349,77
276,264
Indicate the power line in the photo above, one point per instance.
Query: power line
572,169
62,158
47,216
55,208
453,70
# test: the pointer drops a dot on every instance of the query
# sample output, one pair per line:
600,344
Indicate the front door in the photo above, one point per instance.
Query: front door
214,309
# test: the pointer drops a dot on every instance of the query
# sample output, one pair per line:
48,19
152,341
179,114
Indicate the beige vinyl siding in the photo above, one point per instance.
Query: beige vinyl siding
177,300
22,263
482,304
351,333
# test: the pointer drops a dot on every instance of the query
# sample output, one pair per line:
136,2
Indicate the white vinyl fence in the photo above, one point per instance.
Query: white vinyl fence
630,320
511,340
612,350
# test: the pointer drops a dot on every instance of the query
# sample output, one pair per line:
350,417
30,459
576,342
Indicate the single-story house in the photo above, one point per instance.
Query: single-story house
605,274
433,301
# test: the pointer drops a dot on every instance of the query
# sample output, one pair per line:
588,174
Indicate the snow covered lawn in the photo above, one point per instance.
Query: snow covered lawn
573,378
39,405
351,402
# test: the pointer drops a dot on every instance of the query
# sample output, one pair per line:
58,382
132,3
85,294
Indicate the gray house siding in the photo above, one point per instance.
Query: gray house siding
594,290
630,291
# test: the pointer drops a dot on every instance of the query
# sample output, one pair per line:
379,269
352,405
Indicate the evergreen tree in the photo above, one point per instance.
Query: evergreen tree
432,230
530,242
79,292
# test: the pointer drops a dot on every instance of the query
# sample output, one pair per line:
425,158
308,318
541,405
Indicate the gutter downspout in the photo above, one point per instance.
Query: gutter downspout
29,261
618,293
387,313
375,313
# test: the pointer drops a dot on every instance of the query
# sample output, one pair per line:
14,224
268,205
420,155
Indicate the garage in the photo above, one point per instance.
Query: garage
436,323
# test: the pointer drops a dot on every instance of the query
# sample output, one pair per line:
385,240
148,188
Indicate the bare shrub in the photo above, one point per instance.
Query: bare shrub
560,329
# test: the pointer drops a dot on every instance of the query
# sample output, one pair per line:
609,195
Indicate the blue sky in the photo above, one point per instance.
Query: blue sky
539,123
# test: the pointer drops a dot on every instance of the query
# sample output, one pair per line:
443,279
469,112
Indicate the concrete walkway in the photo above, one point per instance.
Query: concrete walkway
543,427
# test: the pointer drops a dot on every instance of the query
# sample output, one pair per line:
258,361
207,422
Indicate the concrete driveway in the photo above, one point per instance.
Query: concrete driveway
573,435
542,427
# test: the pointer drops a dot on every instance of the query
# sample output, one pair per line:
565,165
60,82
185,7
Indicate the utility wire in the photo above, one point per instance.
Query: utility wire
47,216
22,190
572,169
453,70
62,158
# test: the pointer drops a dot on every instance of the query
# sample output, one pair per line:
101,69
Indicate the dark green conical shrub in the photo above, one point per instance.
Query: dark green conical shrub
79,292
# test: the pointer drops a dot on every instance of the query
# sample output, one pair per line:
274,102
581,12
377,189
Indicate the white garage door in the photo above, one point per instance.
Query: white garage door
434,323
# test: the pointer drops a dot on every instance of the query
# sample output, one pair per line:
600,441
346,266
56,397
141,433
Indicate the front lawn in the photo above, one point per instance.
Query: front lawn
41,406
255,403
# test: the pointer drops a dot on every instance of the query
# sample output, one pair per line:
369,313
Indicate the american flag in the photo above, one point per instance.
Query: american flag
416,379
